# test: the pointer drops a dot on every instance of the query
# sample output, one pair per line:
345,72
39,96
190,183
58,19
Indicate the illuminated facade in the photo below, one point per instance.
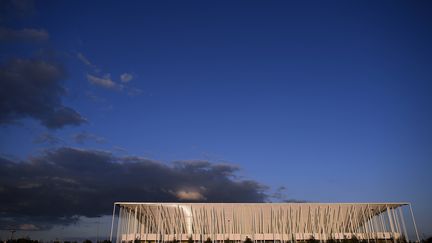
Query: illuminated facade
260,222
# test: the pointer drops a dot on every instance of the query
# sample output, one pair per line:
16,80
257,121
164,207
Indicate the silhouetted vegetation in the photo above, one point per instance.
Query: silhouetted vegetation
208,240
313,240
23,240
28,240
248,240
428,240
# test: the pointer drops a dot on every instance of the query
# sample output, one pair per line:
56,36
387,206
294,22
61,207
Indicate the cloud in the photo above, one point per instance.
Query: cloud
33,88
104,82
64,116
87,182
48,139
126,77
84,59
28,227
280,195
87,62
189,195
295,201
119,149
24,35
84,137
108,83
133,91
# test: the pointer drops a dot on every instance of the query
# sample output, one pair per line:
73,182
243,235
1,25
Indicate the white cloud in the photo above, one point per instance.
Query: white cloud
126,77
105,81
189,195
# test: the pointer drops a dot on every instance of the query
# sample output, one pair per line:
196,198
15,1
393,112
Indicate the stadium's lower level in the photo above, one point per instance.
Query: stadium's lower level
261,222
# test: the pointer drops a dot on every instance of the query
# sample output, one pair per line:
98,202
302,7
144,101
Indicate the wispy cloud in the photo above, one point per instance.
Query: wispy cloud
131,91
86,61
104,82
119,149
84,137
126,77
95,77
48,138
23,35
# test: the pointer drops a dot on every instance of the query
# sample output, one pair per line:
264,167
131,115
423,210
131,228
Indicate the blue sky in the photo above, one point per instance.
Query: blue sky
329,99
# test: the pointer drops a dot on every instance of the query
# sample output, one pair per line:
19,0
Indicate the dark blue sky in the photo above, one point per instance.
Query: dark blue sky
329,99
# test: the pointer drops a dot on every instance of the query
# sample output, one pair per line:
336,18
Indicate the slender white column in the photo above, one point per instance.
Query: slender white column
415,225
403,225
119,223
390,221
112,222
135,224
395,215
127,223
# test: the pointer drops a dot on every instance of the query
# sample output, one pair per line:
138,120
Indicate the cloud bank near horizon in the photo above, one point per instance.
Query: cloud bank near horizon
63,184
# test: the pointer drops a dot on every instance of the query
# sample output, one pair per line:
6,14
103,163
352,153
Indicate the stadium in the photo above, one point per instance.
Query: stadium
261,222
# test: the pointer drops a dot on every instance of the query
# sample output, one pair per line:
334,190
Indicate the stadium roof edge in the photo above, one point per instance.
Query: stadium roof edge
282,203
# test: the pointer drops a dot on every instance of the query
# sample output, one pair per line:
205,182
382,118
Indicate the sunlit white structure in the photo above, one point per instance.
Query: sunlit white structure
261,222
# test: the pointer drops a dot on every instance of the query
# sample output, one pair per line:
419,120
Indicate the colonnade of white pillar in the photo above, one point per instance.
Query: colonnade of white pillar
267,222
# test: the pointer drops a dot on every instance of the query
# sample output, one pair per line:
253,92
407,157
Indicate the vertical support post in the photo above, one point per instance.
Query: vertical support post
127,223
396,217
415,225
383,225
135,225
391,223
403,225
271,225
119,225
112,222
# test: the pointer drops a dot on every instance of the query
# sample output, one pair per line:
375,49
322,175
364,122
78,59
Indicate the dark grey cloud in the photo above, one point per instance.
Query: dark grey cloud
65,183
24,35
33,88
295,201
280,195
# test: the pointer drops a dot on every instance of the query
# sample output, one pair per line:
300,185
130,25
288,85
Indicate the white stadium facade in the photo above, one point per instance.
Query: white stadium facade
261,222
